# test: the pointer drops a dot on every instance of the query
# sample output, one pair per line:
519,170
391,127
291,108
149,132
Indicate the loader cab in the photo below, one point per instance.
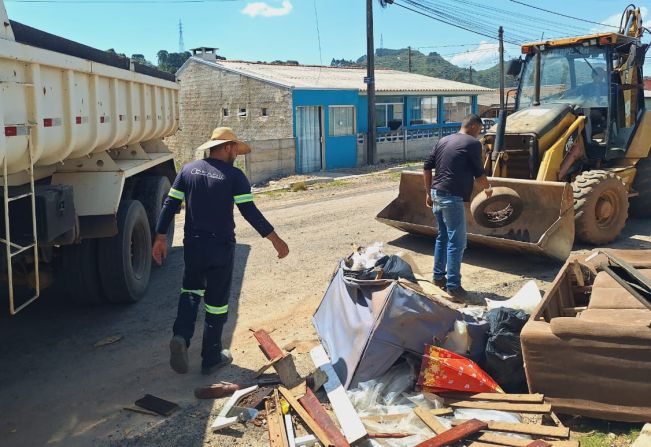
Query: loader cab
596,76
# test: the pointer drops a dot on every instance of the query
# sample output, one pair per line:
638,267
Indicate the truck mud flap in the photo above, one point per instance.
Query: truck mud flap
546,225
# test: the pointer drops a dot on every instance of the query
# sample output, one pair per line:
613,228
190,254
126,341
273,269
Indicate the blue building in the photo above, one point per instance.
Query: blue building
321,110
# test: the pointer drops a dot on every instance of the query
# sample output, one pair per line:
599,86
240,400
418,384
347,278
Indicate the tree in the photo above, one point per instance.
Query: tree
171,62
140,58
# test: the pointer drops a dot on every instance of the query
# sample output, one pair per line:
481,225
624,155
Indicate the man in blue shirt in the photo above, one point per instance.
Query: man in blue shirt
210,188
457,164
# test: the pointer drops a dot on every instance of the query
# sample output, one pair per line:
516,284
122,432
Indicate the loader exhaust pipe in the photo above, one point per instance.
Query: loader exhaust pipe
501,121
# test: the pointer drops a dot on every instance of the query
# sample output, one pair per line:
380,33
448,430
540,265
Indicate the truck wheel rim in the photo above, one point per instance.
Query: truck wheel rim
138,251
606,209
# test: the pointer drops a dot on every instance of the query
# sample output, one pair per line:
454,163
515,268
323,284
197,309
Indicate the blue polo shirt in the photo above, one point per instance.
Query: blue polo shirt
210,189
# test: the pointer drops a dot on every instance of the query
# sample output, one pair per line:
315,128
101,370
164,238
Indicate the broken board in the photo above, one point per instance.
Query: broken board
275,424
504,406
430,420
455,434
349,420
309,421
222,420
525,429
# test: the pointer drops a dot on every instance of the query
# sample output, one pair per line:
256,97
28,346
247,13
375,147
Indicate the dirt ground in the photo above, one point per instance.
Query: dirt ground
58,389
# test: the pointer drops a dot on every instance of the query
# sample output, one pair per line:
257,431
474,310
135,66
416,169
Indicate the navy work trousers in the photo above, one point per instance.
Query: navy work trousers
208,274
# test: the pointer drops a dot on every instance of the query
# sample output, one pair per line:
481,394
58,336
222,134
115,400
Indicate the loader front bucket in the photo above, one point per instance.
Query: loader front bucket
546,225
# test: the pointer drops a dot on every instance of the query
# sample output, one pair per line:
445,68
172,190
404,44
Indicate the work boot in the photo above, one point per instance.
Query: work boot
179,354
457,293
440,283
226,359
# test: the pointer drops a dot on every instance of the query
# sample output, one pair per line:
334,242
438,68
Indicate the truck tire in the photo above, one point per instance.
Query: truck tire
78,274
600,206
125,259
641,204
502,208
151,192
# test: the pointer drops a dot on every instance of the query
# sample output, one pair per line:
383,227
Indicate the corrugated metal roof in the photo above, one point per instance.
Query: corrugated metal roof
321,77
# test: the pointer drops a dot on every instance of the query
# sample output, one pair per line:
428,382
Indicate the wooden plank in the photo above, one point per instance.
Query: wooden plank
556,420
455,434
348,418
482,444
309,421
498,397
441,411
525,429
504,406
267,345
510,441
275,424
389,435
282,363
430,420
314,409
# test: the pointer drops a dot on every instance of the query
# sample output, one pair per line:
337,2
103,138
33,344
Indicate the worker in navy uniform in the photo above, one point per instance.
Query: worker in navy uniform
210,187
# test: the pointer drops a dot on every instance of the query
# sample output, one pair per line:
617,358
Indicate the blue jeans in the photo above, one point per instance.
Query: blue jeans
451,240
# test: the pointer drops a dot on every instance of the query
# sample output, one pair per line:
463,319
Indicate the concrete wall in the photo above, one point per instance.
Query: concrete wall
206,91
270,158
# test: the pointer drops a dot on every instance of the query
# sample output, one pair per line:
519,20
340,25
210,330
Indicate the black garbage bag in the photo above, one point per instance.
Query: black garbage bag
503,350
395,267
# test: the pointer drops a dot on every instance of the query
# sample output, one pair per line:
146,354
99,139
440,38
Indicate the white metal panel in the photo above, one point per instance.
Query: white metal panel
101,191
75,107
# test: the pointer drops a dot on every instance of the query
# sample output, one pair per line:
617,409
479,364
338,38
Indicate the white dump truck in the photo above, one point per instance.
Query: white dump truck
84,167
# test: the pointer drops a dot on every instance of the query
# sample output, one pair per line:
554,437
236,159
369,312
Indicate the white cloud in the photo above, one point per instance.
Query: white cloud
486,54
614,21
263,9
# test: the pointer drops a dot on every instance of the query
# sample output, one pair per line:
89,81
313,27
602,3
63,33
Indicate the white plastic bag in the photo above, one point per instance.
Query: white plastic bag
458,340
527,299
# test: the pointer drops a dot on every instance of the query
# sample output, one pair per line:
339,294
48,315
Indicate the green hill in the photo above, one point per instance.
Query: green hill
432,64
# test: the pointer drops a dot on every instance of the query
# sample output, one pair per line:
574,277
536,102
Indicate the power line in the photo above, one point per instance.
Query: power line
447,22
562,15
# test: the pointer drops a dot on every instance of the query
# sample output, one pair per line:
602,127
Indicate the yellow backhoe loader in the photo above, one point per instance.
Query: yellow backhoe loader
574,155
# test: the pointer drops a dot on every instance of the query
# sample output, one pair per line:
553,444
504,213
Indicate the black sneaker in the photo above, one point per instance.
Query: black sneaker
226,359
459,292
440,283
179,354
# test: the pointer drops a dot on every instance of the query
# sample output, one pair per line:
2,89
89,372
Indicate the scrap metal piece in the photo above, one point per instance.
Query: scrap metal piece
223,420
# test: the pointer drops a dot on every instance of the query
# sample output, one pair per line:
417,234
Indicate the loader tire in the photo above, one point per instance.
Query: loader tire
600,206
151,192
78,276
641,204
125,259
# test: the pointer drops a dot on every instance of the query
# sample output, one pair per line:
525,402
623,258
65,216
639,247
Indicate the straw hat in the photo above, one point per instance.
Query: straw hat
223,135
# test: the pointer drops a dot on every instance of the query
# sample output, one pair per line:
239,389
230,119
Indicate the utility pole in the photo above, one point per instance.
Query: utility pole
409,59
470,74
370,84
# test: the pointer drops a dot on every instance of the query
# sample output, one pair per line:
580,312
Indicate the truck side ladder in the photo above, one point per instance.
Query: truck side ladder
12,249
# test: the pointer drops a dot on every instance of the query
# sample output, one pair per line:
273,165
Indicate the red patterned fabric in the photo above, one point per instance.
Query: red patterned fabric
443,370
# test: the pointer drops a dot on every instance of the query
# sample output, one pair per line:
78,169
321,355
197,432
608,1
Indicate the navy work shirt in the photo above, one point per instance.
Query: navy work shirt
456,160
210,188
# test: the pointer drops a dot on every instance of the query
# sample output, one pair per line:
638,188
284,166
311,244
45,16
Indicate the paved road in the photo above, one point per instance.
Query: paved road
57,389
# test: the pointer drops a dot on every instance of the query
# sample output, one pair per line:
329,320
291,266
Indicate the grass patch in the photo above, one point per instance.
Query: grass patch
395,176
596,433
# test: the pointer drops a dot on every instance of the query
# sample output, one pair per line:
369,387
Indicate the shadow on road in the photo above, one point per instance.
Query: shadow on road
58,388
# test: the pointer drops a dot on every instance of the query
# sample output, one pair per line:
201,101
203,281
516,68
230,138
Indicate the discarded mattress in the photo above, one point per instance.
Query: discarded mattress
590,353
365,326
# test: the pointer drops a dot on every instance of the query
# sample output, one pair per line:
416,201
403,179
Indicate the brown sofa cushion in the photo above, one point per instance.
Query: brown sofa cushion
629,317
604,281
613,298
613,331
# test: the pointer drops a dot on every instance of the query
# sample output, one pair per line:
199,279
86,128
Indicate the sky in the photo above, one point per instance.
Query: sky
309,31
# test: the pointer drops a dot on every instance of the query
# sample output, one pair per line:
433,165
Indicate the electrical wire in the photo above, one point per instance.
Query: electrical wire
562,15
